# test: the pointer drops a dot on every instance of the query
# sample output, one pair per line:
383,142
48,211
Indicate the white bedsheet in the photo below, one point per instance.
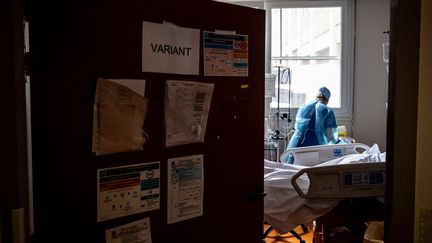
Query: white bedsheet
284,209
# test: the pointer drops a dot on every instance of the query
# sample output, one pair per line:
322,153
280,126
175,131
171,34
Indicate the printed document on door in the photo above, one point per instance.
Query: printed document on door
185,188
118,117
135,232
187,106
167,48
127,190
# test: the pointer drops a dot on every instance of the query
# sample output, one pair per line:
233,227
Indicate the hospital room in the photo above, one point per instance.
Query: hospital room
338,50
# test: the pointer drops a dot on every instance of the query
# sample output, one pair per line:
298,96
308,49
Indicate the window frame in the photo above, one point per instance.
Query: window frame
347,50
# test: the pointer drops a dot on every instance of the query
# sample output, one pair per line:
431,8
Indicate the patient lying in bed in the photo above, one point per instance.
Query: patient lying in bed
284,209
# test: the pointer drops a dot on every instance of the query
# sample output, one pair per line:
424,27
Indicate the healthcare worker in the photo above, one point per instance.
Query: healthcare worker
315,123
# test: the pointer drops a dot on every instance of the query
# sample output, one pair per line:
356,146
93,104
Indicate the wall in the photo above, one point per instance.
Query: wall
423,197
370,75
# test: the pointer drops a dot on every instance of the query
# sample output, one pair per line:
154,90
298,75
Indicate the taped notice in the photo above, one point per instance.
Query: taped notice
127,190
167,48
185,188
225,54
187,106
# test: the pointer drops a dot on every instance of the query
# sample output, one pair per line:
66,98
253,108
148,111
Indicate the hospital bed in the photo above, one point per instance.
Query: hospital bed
314,155
320,178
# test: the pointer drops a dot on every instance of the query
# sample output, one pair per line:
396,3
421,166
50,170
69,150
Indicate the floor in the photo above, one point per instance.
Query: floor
275,237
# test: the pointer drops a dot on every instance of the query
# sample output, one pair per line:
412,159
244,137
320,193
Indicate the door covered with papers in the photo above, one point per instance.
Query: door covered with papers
126,148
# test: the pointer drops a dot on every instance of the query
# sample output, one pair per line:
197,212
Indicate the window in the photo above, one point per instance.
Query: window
310,45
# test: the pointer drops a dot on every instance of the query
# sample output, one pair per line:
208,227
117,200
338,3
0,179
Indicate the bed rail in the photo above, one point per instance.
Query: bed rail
343,181
314,155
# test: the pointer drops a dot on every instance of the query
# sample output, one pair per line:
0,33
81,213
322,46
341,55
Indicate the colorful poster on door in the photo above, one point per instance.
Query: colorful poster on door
127,190
225,54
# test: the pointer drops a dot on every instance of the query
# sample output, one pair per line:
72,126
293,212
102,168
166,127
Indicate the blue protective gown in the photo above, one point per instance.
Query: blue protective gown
312,122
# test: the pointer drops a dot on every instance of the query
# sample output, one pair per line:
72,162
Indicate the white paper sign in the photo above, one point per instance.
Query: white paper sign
170,49
135,232
127,190
187,106
185,188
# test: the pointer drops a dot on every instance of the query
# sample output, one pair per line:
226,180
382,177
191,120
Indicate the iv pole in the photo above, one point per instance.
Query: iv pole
277,136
